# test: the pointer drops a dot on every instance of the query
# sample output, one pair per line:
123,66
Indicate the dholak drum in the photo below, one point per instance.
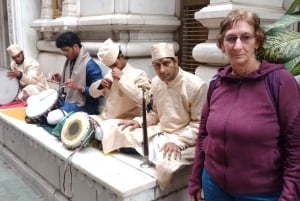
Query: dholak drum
9,87
40,105
57,129
78,130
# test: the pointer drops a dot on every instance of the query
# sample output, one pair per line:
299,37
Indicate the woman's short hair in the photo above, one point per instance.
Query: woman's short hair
241,15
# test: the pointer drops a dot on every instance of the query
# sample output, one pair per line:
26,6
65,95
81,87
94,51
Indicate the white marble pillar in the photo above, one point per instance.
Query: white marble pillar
71,8
46,9
121,6
212,15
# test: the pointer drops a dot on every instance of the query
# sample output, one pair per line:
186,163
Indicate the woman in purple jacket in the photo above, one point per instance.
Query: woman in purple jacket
248,148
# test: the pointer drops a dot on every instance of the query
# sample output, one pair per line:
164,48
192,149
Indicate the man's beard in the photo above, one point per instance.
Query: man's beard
20,62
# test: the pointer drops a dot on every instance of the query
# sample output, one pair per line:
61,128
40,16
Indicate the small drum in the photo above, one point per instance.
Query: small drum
40,105
57,129
9,87
78,130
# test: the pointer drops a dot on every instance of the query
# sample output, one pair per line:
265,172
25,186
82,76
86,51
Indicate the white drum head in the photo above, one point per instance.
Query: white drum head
9,88
75,130
41,103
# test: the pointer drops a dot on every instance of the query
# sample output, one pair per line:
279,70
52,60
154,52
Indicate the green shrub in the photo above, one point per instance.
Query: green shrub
282,44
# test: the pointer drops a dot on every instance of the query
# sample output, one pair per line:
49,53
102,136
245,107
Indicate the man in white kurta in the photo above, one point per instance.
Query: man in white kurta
27,70
178,97
120,86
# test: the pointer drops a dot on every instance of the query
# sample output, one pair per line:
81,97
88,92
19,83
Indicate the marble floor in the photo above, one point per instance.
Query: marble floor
13,187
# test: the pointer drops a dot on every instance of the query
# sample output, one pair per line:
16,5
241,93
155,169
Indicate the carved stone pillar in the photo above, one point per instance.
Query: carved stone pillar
211,17
70,8
46,9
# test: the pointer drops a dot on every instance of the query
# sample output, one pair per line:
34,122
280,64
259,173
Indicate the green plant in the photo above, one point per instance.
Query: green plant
282,44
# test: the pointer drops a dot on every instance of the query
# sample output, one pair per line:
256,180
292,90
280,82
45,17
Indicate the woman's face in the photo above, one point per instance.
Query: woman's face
240,43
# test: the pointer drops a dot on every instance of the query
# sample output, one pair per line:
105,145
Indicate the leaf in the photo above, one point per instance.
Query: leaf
282,46
293,66
293,7
284,21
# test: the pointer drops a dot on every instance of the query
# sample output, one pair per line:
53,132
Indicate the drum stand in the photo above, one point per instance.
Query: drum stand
146,163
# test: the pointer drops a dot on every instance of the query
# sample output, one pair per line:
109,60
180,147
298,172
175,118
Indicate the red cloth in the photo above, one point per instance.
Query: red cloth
14,104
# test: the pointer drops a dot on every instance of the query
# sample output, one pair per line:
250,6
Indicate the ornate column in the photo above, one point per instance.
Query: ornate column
45,18
211,17
71,8
46,9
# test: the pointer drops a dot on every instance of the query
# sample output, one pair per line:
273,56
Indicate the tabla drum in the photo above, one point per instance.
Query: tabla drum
57,129
78,130
38,106
9,87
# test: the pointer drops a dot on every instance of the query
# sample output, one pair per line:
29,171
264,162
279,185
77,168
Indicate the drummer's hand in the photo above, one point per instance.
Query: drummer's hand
13,73
72,84
116,73
170,149
126,123
106,83
56,77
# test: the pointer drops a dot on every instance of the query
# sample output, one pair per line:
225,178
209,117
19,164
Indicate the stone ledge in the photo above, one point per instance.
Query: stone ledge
128,22
116,177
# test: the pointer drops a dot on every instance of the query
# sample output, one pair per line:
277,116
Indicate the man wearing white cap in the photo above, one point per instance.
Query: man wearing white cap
178,97
120,86
27,70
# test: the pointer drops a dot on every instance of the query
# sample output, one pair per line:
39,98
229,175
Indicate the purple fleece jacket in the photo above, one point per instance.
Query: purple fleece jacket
239,140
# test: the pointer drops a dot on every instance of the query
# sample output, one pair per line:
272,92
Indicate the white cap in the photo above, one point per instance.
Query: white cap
14,49
108,52
162,50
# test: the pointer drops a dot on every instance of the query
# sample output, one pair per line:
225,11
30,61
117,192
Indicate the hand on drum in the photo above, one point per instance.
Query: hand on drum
126,123
170,149
13,73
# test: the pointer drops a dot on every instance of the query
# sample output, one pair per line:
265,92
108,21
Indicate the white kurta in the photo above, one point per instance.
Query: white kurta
33,80
175,118
124,98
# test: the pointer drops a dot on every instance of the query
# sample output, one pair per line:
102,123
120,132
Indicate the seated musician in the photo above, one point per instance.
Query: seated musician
79,72
178,97
28,72
120,86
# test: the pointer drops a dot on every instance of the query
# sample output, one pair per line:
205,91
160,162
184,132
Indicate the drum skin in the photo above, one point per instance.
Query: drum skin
9,88
41,104
76,130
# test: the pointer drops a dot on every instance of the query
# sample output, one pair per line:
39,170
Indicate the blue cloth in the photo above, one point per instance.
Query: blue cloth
212,192
93,73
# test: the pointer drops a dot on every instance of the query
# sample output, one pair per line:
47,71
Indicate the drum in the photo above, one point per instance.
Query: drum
38,106
57,129
9,87
78,130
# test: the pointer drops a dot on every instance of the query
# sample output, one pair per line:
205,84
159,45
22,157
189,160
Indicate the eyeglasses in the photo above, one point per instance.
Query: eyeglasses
245,38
